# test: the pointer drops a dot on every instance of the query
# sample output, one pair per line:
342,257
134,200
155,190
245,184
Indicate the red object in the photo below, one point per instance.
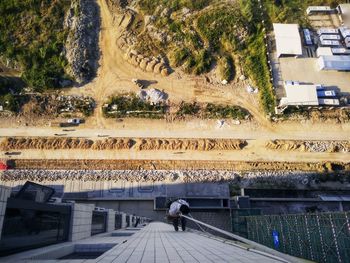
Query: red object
3,166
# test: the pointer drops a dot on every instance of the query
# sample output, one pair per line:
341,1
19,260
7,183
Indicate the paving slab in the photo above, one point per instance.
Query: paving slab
158,242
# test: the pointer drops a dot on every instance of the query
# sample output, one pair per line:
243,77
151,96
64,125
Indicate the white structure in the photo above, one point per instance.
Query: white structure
318,9
324,51
330,43
329,37
344,31
340,51
328,102
334,63
288,40
347,42
302,94
344,13
324,30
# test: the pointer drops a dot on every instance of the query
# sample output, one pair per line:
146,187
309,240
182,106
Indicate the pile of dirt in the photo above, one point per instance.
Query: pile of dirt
309,146
121,144
148,64
190,144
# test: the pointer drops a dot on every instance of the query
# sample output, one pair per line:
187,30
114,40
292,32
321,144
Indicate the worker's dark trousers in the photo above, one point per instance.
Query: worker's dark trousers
176,223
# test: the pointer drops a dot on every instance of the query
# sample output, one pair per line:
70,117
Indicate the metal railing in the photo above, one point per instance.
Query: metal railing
252,246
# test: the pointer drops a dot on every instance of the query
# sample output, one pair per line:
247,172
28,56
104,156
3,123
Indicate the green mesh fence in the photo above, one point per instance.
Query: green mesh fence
239,220
321,237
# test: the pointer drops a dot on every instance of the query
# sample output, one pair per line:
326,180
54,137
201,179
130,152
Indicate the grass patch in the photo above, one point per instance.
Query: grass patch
212,111
129,105
32,35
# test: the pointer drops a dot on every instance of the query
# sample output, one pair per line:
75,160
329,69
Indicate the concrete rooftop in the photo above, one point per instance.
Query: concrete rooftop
158,242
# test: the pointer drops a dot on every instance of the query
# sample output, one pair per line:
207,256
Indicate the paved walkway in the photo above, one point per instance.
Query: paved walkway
158,242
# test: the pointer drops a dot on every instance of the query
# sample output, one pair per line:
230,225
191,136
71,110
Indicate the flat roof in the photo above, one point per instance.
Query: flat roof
324,51
345,8
302,94
288,40
334,62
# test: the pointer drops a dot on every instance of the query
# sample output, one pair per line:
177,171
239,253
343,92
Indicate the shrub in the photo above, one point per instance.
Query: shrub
129,105
225,68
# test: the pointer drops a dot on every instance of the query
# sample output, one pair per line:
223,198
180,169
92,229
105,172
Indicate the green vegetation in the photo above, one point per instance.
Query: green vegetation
9,102
150,6
212,111
188,109
129,105
32,35
217,34
8,87
225,68
286,11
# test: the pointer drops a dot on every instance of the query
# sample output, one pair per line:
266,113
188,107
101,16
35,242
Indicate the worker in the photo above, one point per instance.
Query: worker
176,209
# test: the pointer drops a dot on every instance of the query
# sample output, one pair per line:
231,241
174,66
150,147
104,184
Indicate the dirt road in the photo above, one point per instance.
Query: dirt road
114,76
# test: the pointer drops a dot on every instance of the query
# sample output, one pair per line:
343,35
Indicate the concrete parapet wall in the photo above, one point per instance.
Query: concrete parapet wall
110,220
124,223
81,220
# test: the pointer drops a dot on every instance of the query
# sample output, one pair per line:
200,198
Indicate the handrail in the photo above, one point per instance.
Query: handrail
255,247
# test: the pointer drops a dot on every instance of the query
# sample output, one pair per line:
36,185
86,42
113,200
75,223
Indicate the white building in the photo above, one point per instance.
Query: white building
344,13
318,9
324,51
288,40
325,30
302,95
329,37
340,63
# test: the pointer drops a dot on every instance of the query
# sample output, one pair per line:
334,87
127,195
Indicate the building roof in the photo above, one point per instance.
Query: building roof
324,51
334,62
301,94
288,40
344,8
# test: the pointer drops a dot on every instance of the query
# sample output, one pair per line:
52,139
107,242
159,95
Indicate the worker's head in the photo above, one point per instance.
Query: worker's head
184,209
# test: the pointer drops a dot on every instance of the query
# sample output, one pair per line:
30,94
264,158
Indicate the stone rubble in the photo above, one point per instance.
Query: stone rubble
310,146
187,176
81,49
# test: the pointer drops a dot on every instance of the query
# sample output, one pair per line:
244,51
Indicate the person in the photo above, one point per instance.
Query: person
176,209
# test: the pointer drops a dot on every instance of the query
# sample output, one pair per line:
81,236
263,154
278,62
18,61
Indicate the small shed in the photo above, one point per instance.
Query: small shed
318,9
288,40
325,31
324,51
302,94
340,63
344,13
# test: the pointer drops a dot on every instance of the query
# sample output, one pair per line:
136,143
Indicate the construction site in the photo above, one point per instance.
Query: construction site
161,110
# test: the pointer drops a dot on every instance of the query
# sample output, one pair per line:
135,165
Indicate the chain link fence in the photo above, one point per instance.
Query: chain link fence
320,237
